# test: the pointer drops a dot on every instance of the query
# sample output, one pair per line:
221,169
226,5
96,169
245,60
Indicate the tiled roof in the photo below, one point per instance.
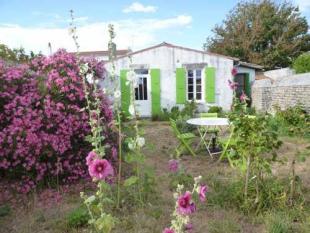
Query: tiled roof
179,47
121,52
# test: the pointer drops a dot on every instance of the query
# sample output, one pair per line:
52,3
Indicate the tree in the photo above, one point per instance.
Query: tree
302,63
262,32
15,55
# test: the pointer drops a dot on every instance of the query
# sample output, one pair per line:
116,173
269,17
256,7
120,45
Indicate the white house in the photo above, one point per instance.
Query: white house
170,75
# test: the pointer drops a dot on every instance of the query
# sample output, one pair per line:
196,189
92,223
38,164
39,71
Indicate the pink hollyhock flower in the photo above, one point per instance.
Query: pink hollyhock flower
234,71
91,157
232,85
202,190
173,165
100,169
168,230
243,97
185,204
189,227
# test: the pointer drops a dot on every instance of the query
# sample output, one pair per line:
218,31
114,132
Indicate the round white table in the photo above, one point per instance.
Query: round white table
208,122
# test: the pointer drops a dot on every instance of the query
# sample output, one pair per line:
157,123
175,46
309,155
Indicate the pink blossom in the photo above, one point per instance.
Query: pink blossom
233,85
189,227
202,190
185,204
91,157
234,71
168,230
100,169
173,165
243,97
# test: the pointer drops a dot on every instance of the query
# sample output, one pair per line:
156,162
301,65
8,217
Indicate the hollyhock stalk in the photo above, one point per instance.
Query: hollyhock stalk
185,207
99,169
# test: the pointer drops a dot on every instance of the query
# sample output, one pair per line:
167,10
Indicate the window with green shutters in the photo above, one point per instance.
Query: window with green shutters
155,91
210,84
125,92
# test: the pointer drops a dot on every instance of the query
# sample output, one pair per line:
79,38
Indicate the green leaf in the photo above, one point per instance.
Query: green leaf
90,199
130,181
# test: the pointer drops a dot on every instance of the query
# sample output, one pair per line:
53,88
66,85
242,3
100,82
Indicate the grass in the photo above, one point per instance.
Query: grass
224,225
278,223
222,213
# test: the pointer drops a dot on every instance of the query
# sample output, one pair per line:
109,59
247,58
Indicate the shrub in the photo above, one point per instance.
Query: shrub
164,115
215,109
43,121
183,126
302,63
293,120
5,210
189,109
175,113
78,217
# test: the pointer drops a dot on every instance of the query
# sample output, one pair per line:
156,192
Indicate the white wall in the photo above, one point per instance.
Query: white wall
279,73
167,59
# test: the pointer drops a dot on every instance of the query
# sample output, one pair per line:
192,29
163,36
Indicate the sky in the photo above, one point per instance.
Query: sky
32,24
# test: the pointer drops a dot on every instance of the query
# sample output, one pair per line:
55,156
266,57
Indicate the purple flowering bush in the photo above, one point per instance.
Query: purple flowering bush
43,122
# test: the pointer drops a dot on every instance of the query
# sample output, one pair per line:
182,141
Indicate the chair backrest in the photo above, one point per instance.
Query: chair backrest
173,124
208,114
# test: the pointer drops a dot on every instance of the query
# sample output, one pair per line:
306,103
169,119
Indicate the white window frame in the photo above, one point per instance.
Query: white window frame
147,76
195,86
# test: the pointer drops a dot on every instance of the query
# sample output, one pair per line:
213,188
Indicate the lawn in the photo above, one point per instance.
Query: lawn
42,213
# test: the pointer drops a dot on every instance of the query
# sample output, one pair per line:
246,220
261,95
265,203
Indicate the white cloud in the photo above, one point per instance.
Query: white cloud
138,7
304,5
181,20
135,34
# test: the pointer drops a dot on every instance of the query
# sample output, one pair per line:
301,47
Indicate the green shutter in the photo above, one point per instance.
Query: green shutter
210,84
180,86
155,93
247,84
125,92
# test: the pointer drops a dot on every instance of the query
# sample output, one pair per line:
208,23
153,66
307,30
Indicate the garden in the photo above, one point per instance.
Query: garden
72,161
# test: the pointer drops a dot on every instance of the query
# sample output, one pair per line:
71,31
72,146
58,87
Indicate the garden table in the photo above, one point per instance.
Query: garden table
208,123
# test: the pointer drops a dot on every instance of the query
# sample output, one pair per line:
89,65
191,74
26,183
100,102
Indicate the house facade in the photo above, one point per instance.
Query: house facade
170,75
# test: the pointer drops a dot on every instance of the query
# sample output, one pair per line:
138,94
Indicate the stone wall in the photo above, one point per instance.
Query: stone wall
283,92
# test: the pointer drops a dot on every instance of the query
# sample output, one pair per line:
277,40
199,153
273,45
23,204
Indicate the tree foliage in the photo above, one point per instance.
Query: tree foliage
262,32
302,63
15,55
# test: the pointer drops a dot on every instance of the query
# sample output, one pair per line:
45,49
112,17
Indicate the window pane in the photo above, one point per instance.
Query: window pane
145,88
140,89
136,93
190,73
198,88
198,73
190,96
190,88
198,81
198,96
190,81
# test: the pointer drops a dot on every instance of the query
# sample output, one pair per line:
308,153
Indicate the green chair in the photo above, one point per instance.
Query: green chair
208,114
185,139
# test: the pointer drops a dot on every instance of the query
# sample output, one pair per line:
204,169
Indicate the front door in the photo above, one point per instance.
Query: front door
143,93
240,79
